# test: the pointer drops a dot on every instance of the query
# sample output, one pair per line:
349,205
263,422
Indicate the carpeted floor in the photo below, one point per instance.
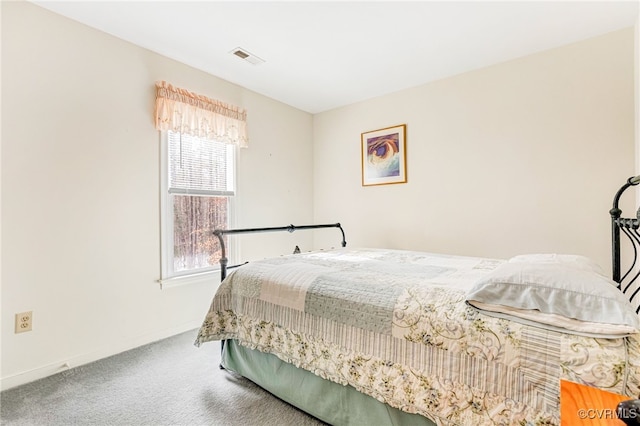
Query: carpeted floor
170,383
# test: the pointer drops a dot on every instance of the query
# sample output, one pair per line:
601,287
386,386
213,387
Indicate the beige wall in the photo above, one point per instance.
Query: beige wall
524,156
637,99
80,190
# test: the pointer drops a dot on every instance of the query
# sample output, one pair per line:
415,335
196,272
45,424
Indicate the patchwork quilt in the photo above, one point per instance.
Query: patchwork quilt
394,325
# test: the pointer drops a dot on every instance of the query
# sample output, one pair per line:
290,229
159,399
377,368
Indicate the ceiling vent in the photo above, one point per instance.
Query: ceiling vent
247,56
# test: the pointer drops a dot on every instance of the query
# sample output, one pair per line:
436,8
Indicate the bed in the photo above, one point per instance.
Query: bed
374,336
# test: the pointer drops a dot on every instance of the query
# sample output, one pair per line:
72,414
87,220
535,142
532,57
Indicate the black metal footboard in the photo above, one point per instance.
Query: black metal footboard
628,227
220,233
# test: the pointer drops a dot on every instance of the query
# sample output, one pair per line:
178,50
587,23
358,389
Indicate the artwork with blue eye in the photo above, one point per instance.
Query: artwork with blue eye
383,156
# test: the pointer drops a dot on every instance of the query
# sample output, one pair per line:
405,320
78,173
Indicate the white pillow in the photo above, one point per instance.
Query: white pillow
556,296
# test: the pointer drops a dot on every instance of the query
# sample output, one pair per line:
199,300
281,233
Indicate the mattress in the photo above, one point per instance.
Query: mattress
394,325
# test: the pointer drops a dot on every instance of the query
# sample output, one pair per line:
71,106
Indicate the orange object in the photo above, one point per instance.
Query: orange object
585,405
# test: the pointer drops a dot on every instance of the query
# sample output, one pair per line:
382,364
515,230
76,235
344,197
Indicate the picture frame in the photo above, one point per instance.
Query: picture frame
384,159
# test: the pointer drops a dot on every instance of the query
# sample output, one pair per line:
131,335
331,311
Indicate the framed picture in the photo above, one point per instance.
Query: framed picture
384,159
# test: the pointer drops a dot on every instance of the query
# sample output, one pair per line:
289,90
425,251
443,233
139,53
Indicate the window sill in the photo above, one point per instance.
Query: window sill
209,277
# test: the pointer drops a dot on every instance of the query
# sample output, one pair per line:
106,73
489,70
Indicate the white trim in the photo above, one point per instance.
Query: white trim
100,353
183,191
199,278
166,226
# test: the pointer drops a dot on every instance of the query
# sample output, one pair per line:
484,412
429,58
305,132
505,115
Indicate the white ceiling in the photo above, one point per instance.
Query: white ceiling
321,55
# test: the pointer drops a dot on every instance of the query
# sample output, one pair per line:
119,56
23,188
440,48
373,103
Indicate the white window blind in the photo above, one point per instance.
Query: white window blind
200,167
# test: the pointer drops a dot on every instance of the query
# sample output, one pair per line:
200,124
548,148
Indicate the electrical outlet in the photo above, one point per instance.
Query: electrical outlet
24,321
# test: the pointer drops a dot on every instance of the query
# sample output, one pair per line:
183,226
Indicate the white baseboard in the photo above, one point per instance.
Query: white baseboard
100,353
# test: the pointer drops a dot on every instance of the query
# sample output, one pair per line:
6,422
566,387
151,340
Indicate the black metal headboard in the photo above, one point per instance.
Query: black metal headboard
628,227
220,233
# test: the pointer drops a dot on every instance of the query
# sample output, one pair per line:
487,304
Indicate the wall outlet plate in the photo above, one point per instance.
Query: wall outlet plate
24,321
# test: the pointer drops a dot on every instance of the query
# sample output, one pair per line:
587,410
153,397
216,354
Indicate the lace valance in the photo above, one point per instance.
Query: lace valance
185,112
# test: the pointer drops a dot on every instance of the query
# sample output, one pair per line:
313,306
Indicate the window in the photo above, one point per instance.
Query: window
197,191
199,136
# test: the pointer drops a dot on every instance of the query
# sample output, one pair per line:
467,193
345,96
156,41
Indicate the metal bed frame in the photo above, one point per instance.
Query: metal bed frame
220,233
629,227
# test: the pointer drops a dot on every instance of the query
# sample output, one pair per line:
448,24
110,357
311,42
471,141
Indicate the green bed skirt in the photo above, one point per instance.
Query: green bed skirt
328,401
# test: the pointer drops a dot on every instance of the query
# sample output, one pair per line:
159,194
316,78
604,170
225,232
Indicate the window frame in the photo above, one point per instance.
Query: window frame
168,277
